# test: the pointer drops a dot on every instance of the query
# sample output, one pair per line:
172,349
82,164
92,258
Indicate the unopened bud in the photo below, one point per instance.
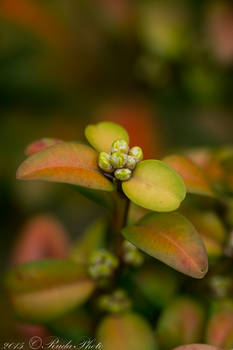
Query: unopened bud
104,162
221,285
131,255
102,264
123,174
118,159
117,302
136,152
131,162
120,145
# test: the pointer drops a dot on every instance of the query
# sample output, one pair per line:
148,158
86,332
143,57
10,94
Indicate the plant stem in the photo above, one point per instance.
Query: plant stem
119,221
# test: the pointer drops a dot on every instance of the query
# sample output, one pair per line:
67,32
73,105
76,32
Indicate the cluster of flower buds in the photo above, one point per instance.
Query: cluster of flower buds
102,264
131,255
117,302
121,160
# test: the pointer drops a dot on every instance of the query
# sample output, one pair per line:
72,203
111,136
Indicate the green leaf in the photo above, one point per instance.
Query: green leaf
102,198
65,162
102,135
157,282
155,186
183,321
172,239
91,240
46,289
74,326
191,174
125,332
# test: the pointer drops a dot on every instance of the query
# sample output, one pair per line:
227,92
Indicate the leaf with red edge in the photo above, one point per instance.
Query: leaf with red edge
191,174
172,239
46,289
38,145
65,162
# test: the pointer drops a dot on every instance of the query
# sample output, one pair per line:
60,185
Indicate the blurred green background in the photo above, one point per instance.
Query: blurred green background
164,69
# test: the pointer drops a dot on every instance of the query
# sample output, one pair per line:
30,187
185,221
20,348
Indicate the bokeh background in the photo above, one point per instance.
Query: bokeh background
163,69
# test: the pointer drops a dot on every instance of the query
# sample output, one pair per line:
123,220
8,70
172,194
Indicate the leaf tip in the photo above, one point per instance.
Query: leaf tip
103,134
204,269
19,173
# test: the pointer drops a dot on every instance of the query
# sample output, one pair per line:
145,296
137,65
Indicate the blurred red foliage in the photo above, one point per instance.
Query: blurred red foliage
142,126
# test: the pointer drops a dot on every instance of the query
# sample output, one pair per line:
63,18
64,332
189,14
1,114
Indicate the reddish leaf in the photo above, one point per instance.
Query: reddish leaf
210,228
172,239
135,116
31,15
38,145
65,162
30,330
42,236
205,160
191,174
220,329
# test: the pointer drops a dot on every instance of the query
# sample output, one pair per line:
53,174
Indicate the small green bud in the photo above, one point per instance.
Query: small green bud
117,302
131,255
123,174
118,159
102,264
221,285
120,145
136,152
131,162
104,162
